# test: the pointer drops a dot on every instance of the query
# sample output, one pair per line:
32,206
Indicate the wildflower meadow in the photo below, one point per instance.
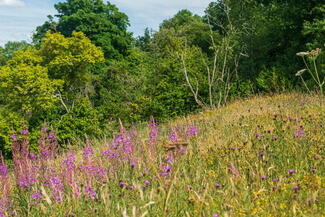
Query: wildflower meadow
262,156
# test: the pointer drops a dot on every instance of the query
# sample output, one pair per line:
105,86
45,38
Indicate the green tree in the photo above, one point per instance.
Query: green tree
10,48
101,22
26,89
180,19
314,29
70,59
143,42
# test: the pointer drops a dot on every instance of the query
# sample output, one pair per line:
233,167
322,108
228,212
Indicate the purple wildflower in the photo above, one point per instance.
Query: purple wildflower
3,170
37,196
69,162
122,184
313,170
170,158
215,215
296,188
275,137
217,185
107,152
13,137
88,151
259,135
167,168
263,177
52,136
173,136
44,128
191,131
24,132
276,115
32,156
275,180
291,171
147,182
133,164
23,183
90,192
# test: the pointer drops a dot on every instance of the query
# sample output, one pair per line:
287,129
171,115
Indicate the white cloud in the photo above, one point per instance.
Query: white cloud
11,3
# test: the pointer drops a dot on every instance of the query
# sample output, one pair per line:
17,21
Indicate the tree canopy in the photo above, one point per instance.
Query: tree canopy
101,22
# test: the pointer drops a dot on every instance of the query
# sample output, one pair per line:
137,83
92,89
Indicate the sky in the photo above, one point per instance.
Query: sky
19,18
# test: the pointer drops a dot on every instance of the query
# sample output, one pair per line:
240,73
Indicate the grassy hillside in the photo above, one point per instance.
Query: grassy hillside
260,156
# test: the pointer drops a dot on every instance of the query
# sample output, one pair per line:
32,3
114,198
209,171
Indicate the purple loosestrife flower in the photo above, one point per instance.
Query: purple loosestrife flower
153,138
191,132
170,158
52,136
37,196
153,134
69,162
182,149
44,128
32,156
57,188
23,183
166,171
3,170
107,152
164,174
90,192
13,137
173,136
45,153
88,151
167,168
24,132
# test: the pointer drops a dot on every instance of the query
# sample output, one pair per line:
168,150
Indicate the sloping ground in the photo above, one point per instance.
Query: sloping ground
222,126
262,156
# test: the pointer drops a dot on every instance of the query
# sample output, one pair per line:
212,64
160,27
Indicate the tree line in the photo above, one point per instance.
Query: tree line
83,70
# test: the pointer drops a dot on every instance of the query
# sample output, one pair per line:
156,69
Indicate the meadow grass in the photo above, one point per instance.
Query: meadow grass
262,156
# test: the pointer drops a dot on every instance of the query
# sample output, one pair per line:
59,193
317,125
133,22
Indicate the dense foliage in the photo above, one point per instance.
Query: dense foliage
84,70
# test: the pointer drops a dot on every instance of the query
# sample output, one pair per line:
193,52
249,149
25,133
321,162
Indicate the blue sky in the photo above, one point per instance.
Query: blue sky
19,18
